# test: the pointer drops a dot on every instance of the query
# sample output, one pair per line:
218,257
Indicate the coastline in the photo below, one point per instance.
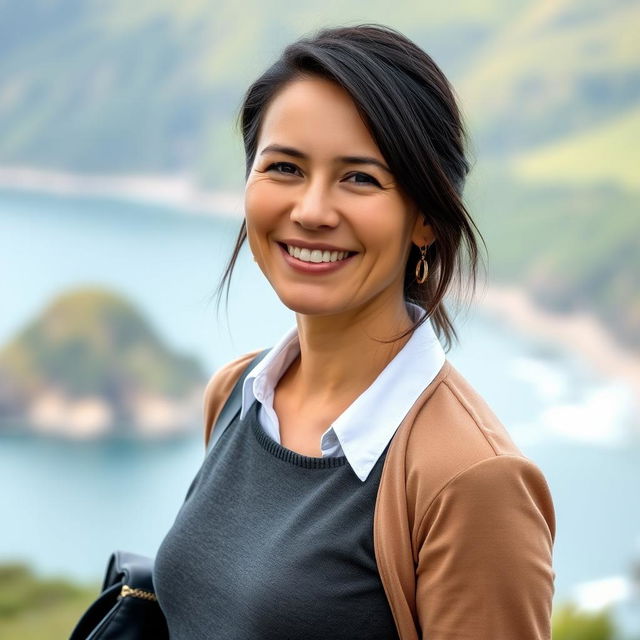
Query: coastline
175,190
581,333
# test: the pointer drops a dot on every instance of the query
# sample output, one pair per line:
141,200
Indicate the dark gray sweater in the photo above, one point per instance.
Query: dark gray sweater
273,544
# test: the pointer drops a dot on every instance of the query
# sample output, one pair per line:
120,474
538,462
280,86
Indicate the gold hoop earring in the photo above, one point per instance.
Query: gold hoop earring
422,266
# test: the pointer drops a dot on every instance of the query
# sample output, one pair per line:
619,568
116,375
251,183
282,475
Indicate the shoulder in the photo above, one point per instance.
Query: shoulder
219,387
452,413
453,441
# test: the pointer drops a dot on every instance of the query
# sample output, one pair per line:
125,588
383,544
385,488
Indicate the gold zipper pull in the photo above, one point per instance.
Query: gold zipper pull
128,591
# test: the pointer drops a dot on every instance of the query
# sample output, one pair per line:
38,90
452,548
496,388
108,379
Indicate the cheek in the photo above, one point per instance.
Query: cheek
263,197
257,204
261,210
384,231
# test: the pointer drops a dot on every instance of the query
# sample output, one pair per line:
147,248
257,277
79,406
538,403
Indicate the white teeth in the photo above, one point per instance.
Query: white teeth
316,255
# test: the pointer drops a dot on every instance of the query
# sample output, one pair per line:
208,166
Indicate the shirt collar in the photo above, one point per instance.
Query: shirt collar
277,359
365,428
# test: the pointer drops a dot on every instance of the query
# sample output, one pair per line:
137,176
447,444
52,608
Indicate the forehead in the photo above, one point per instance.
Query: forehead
317,116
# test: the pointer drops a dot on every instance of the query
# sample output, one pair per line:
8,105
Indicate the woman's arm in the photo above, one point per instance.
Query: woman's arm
484,567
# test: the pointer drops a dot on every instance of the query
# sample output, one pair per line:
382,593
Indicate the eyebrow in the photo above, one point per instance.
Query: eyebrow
290,151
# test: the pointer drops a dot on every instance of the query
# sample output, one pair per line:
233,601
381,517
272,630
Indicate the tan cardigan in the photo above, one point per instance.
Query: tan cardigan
464,524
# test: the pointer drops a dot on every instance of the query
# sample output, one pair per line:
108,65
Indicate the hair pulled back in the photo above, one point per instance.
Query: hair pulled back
410,109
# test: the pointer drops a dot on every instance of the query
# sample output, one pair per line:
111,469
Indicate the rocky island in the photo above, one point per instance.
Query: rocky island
91,366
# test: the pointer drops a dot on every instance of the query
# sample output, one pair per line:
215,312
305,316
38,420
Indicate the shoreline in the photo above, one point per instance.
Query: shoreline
175,190
581,333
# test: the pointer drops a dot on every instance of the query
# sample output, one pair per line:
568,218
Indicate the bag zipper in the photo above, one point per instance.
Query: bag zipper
130,592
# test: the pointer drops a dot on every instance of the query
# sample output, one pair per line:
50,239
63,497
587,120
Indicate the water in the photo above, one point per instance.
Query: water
65,506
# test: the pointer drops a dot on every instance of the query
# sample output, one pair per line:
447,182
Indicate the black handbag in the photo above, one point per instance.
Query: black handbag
127,607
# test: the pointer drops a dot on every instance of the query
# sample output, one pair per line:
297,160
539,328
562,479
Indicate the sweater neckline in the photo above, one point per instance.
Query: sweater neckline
287,455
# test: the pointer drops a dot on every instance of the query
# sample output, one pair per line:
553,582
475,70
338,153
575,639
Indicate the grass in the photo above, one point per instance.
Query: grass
35,608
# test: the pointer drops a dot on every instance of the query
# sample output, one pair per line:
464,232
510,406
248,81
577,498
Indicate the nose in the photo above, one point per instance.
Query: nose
313,208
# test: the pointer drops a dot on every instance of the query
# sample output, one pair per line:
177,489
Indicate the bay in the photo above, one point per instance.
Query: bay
66,505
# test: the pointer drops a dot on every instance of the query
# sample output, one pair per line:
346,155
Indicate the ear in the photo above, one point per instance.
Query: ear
422,232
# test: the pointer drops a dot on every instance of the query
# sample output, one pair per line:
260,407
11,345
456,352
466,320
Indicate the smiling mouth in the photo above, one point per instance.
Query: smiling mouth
316,255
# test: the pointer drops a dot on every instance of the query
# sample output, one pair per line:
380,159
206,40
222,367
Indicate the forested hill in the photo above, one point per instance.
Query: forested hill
90,365
122,86
550,89
118,86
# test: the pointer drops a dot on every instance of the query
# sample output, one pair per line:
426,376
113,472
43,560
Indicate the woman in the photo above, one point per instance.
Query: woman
365,490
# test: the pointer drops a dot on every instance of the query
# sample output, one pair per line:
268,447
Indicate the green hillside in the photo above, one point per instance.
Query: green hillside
153,86
574,248
91,343
560,67
603,155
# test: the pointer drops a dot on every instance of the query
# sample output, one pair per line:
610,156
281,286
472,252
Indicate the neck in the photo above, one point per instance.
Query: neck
340,356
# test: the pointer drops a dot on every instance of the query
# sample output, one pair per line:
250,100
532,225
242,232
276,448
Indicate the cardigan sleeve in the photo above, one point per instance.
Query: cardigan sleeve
219,388
484,566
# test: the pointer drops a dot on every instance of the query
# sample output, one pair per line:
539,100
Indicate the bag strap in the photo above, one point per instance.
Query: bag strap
233,404
133,569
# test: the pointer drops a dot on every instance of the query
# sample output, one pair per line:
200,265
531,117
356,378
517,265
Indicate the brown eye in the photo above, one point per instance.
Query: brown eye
283,165
368,179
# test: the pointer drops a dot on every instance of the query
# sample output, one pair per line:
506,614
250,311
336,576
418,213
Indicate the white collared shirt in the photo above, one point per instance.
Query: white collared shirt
364,429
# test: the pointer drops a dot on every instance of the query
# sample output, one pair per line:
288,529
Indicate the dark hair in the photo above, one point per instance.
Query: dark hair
410,110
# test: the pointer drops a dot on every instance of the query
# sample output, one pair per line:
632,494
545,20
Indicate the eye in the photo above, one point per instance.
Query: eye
368,179
287,168
283,165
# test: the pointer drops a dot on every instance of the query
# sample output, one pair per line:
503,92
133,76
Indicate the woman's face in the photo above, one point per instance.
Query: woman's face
318,188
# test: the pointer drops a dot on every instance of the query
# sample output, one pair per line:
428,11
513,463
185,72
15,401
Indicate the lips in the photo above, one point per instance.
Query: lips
316,255
315,265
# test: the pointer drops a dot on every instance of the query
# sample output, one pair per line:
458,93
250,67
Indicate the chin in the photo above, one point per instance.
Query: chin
311,305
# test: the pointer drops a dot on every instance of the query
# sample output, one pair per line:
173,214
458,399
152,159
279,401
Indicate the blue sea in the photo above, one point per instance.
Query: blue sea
66,505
